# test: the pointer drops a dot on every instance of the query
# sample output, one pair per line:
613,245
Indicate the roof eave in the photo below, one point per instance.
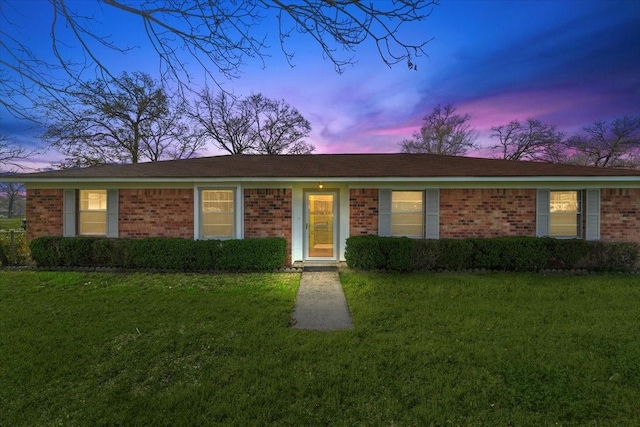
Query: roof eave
430,179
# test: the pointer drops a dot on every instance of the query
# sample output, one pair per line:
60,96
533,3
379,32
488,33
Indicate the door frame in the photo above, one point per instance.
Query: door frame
336,223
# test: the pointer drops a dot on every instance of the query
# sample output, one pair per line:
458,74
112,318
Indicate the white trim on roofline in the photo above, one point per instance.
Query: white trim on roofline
353,182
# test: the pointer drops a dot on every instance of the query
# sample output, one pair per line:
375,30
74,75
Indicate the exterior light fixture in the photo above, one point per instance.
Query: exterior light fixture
320,185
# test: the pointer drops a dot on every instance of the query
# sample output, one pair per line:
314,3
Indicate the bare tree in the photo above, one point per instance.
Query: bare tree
218,36
278,128
12,154
222,118
126,120
11,192
251,125
443,132
603,144
531,140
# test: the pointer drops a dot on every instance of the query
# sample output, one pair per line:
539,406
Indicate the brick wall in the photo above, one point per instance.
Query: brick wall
156,212
44,213
268,213
363,211
620,215
487,212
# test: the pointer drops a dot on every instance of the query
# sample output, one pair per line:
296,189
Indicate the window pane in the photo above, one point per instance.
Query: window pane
93,223
93,200
563,213
217,214
92,215
407,213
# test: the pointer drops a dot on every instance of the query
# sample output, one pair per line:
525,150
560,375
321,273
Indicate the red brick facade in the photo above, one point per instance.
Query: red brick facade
487,212
620,215
156,212
44,213
363,211
268,213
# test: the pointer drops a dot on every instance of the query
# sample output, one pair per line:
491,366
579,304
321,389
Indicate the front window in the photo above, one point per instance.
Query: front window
92,218
407,213
565,213
217,216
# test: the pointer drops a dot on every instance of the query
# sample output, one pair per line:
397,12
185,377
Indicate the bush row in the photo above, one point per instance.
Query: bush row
160,253
499,253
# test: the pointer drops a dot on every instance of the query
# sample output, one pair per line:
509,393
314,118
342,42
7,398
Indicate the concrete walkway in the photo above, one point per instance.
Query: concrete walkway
320,303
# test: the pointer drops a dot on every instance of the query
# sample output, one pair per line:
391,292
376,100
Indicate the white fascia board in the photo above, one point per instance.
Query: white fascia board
354,182
501,182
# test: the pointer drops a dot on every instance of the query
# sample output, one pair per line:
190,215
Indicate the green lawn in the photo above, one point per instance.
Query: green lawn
441,349
14,223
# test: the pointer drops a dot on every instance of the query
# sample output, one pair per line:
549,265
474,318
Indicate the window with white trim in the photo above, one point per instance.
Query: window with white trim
568,213
409,213
565,214
92,213
217,214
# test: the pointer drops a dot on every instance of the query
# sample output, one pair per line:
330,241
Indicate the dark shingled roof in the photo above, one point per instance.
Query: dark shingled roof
331,166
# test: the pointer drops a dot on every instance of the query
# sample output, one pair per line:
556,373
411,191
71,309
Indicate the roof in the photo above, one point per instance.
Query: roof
326,166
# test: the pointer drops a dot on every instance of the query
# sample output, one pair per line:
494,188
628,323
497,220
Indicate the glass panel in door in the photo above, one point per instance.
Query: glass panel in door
321,231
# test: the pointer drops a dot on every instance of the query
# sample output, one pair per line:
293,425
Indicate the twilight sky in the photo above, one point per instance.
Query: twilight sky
566,62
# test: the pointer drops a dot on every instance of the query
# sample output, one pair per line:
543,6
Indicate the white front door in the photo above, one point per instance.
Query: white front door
321,226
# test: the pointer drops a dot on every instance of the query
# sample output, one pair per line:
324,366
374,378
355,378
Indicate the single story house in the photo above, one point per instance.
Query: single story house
317,201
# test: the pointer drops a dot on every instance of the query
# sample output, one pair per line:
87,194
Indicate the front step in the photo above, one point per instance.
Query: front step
318,268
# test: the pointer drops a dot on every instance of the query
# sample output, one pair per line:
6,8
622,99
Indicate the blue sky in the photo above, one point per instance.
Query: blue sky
566,62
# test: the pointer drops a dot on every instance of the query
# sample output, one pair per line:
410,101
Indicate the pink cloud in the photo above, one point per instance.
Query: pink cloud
567,108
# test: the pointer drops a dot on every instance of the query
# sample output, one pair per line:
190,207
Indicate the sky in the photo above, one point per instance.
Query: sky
565,62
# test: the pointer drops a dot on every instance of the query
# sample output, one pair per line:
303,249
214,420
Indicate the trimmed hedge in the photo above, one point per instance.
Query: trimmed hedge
498,253
160,253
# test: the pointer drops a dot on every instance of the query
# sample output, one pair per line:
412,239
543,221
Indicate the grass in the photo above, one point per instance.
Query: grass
442,349
14,223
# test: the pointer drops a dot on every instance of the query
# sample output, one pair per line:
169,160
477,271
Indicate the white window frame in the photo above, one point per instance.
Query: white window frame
401,213
588,215
237,212
430,212
83,213
579,232
71,212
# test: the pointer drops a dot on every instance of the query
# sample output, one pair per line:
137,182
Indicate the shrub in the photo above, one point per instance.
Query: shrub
613,256
19,255
251,254
156,252
45,251
424,254
160,253
107,252
455,254
510,253
498,253
203,254
397,253
568,254
76,251
364,252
